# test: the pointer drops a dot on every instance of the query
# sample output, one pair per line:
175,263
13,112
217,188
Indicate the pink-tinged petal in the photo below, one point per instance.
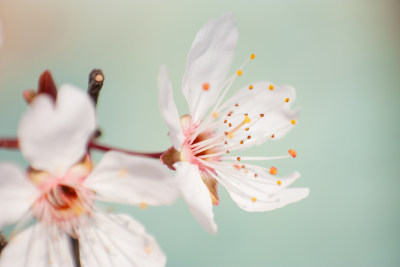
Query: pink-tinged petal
168,108
261,192
16,194
269,111
132,180
38,245
208,63
196,194
117,240
54,137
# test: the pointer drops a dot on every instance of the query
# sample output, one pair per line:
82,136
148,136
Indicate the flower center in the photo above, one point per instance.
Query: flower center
63,199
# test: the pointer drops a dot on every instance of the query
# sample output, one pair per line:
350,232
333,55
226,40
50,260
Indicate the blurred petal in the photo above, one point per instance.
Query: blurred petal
38,245
54,137
117,240
168,108
16,194
196,194
262,193
208,63
132,180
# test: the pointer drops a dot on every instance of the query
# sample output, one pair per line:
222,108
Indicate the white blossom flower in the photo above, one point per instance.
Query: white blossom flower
60,188
217,128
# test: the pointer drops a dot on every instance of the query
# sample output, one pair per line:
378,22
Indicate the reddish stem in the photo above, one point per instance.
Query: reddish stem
10,143
94,145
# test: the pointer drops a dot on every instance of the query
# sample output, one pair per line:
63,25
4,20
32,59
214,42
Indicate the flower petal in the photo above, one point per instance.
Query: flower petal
208,63
38,245
53,137
168,108
262,193
276,114
195,194
117,240
132,180
16,194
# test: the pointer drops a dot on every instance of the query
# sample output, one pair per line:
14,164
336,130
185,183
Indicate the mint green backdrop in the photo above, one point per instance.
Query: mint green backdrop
343,57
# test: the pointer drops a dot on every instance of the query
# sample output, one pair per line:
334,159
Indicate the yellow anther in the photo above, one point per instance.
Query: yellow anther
261,115
236,105
292,153
247,129
215,114
206,86
239,72
225,121
122,173
247,119
243,166
273,171
148,250
252,56
271,87
286,99
279,182
230,124
273,136
251,87
230,135
241,142
253,199
143,205
293,122
238,158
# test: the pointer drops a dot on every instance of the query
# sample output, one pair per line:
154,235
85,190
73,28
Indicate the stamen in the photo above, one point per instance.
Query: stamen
253,199
293,122
239,72
286,99
236,105
252,56
273,170
255,175
261,115
225,121
256,158
273,136
292,153
241,141
230,124
251,87
271,87
215,114
143,205
247,129
279,182
248,137
206,86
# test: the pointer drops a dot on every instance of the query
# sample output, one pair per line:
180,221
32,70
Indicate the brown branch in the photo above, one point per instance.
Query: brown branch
94,145
10,143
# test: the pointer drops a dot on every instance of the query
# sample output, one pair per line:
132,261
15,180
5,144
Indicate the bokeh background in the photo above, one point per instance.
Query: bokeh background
342,56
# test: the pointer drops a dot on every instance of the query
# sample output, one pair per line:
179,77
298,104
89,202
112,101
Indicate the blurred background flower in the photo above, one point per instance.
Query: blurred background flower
342,57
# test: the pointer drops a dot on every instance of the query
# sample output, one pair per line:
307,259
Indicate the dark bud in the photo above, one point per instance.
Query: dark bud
96,79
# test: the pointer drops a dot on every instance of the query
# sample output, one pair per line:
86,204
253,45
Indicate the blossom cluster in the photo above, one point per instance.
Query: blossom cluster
54,202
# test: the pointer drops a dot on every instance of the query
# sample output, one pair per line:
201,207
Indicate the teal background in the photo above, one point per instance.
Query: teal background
343,57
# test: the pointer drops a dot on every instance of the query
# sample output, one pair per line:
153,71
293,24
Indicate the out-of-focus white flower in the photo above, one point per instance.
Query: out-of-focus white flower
204,141
60,188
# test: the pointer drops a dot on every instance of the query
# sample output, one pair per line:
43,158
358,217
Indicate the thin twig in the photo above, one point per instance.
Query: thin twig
94,145
75,251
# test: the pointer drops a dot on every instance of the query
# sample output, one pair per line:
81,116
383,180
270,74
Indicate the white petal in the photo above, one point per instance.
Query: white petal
16,194
53,137
38,245
209,61
277,115
132,180
261,193
168,108
196,194
117,240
